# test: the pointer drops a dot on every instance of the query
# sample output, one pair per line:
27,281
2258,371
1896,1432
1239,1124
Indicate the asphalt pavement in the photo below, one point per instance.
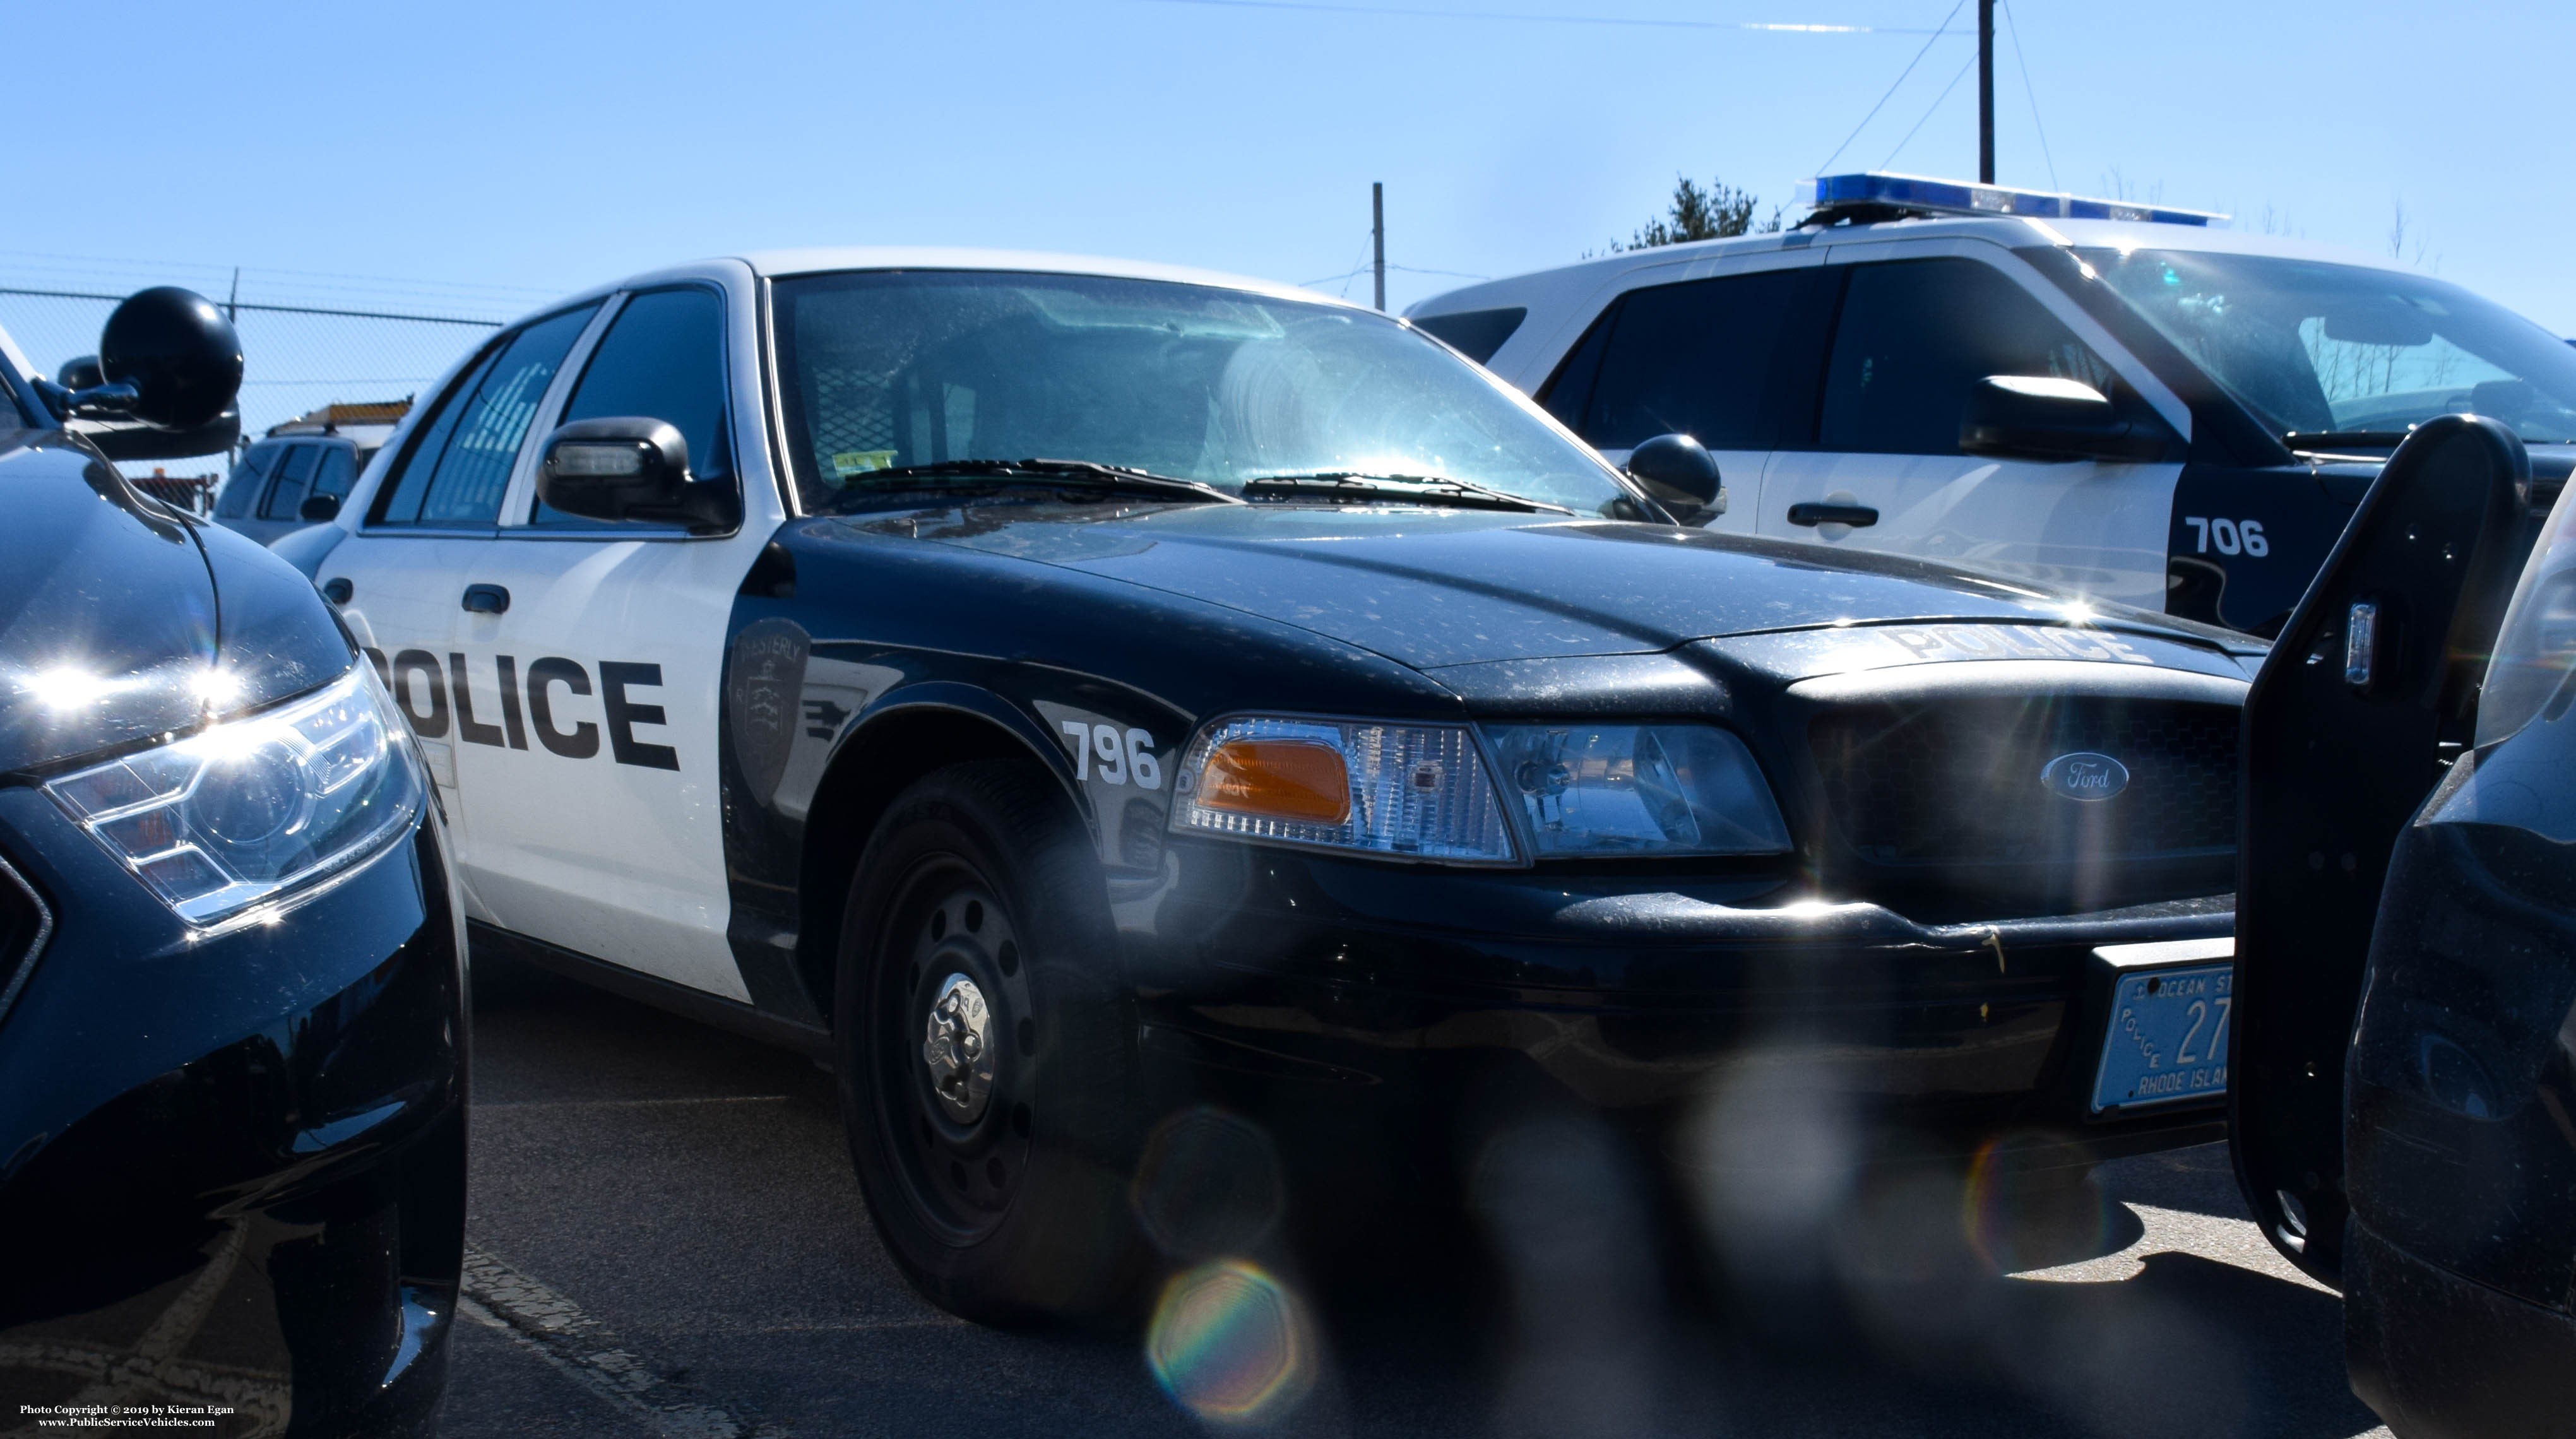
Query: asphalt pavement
665,1239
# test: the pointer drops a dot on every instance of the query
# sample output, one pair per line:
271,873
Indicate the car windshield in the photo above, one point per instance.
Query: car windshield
887,371
2315,348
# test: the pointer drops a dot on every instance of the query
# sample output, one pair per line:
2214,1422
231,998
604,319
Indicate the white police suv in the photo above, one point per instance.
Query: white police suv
2118,399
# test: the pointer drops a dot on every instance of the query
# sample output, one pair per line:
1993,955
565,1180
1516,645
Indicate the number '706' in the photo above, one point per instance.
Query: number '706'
2228,536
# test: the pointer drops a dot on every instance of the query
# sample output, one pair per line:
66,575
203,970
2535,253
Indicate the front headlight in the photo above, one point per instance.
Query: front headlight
249,809
1620,789
1425,792
1410,791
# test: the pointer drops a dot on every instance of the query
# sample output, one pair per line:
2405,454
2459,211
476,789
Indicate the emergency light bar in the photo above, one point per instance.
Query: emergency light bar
1958,197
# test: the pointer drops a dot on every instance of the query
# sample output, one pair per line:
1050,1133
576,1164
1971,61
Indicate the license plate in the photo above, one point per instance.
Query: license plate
2168,1036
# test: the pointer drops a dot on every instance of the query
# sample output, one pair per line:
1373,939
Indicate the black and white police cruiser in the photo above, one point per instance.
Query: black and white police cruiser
2122,400
1066,695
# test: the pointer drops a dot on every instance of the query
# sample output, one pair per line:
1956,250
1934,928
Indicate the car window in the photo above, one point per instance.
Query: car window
1694,358
890,371
337,471
2315,348
241,492
662,359
1916,335
1476,334
287,495
456,472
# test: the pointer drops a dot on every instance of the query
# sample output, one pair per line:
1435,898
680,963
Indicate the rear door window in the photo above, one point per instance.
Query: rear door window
457,470
1916,336
1705,358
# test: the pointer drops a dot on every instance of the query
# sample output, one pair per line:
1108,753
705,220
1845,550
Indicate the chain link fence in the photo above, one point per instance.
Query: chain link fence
308,340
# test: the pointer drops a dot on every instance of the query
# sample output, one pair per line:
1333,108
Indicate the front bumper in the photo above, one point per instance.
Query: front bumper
232,1170
1275,975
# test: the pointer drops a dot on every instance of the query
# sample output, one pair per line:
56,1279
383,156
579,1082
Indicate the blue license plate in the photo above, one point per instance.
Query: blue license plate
2168,1036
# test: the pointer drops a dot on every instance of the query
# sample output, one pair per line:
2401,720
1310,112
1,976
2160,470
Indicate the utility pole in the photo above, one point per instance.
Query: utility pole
1377,235
232,303
1985,92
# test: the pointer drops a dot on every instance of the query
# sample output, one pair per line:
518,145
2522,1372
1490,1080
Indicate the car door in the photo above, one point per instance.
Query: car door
593,671
1728,359
2368,695
396,576
1912,336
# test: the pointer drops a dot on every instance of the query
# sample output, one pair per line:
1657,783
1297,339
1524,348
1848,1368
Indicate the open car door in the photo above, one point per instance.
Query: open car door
2370,690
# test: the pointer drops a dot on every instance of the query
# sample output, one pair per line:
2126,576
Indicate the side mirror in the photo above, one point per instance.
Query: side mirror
318,509
179,354
628,467
1682,476
162,383
2036,417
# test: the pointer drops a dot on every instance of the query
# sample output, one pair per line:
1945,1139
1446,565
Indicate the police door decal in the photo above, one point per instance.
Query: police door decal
763,695
437,698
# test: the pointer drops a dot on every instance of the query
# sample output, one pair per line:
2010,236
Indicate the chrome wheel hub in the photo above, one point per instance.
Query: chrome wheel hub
957,1045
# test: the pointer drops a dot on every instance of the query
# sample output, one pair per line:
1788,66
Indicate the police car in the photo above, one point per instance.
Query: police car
232,1019
1069,697
2117,399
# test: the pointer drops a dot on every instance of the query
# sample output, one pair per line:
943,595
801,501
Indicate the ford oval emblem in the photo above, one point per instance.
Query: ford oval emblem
2084,775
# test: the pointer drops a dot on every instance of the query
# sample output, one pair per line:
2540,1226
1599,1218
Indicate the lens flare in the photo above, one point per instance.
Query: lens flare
1231,1344
1209,1184
2020,1216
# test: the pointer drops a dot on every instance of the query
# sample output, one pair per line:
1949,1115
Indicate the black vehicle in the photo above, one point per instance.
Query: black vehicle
2403,1070
1096,709
232,1024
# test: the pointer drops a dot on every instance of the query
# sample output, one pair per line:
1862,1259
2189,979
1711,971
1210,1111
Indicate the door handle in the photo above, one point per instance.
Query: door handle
1817,512
493,600
338,590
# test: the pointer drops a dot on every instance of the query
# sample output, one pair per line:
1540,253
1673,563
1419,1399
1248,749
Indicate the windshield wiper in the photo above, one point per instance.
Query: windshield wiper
1351,487
2314,440
1081,474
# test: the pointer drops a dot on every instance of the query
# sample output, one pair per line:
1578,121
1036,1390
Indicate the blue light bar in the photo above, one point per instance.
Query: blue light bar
1958,197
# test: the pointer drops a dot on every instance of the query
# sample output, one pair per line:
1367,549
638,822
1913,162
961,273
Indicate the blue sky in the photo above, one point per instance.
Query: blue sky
478,157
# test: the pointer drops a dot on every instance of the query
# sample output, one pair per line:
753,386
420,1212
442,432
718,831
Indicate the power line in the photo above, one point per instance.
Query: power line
109,264
1891,89
2014,30
1927,115
1788,28
272,309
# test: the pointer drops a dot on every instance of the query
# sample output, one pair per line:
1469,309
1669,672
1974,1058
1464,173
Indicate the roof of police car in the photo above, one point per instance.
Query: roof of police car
780,264
2012,233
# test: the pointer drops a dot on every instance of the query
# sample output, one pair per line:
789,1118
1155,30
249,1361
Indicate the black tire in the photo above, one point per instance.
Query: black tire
1007,1207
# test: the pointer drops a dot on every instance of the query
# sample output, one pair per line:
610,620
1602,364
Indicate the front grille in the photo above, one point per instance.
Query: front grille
1958,781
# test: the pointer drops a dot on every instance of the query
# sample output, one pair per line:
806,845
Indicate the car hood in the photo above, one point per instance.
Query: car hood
119,621
1435,588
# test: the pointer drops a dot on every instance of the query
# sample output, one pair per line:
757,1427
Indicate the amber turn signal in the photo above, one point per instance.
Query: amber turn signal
1277,779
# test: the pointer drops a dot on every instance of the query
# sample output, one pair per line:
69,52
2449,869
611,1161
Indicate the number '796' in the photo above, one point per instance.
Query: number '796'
2229,536
1123,758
